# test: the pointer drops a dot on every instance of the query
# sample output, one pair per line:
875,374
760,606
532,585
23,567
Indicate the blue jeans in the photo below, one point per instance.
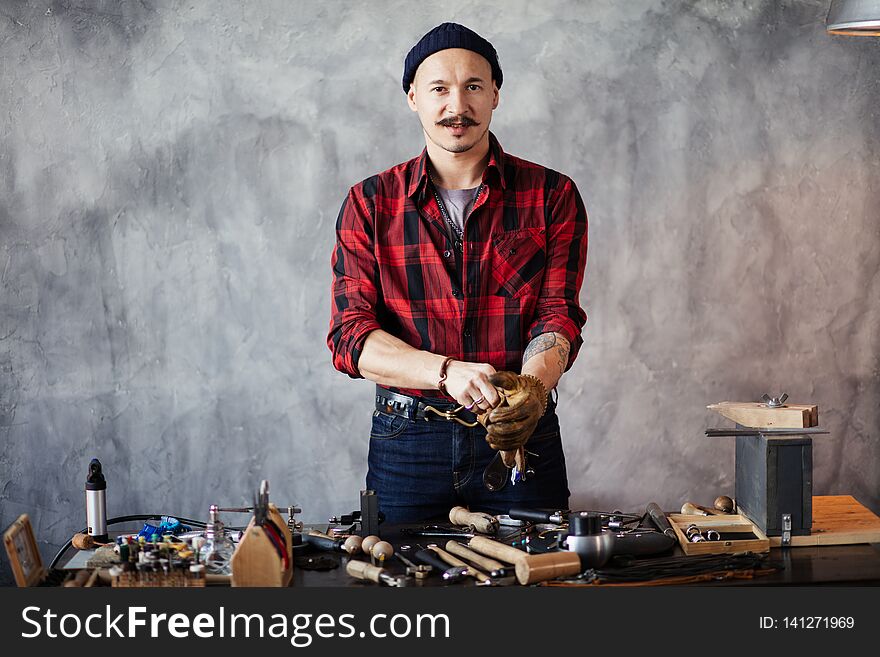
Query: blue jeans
420,469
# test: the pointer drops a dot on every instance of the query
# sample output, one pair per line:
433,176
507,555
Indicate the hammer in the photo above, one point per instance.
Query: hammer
530,568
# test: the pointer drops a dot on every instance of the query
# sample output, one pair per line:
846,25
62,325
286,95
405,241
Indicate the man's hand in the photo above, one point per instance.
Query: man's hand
469,383
512,422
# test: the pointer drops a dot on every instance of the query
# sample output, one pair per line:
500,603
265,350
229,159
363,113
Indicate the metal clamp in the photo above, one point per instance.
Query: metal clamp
786,529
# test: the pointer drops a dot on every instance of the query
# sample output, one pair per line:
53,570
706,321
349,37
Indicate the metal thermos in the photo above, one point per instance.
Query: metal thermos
96,502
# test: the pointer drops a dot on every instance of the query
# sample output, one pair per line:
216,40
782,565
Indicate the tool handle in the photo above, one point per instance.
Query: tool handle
482,522
496,550
542,567
659,519
532,515
452,560
643,543
691,509
485,563
431,558
323,542
363,570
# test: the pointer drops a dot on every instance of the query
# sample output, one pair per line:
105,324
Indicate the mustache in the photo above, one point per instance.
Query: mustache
457,120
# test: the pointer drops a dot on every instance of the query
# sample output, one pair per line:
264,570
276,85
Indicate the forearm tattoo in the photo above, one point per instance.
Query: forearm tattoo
546,341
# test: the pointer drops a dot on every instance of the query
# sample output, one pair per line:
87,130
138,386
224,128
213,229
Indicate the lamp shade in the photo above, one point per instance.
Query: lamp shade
854,18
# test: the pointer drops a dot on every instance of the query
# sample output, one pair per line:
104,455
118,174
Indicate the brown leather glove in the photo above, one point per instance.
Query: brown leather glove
523,401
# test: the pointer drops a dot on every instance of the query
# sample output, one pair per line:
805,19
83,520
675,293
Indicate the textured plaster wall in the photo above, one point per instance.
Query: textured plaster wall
170,175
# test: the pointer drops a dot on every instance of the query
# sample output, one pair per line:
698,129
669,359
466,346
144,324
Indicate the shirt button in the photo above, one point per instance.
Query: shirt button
447,254
467,333
455,293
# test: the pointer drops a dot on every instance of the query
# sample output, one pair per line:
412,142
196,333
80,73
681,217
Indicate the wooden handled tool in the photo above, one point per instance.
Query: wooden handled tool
530,568
542,567
369,572
363,570
494,568
659,519
482,522
455,561
691,509
496,550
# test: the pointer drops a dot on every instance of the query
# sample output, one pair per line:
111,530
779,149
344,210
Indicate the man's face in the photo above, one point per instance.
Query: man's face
454,95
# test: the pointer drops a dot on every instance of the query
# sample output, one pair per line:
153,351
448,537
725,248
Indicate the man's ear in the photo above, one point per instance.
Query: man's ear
495,95
411,97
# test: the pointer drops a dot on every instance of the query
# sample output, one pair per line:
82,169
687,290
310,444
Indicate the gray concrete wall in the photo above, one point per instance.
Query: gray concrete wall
170,175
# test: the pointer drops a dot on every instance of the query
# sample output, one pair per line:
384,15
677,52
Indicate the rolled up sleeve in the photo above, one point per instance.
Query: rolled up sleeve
558,309
355,285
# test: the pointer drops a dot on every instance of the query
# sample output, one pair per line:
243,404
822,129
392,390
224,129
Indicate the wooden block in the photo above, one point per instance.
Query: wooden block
837,520
256,562
759,416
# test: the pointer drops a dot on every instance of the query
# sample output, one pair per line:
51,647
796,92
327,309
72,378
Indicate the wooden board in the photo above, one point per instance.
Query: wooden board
721,523
837,520
758,415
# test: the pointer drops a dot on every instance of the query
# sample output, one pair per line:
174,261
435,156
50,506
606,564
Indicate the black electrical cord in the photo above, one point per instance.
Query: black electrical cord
116,521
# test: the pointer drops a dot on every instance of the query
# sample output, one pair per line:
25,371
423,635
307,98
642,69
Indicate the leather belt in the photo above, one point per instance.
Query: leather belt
420,409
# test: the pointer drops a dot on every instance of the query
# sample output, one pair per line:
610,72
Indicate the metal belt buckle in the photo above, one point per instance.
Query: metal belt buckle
451,416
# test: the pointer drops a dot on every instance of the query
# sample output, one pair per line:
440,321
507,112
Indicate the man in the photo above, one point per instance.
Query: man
448,269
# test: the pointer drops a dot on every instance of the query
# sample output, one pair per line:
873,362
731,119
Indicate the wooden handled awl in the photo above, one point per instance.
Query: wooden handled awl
691,509
482,522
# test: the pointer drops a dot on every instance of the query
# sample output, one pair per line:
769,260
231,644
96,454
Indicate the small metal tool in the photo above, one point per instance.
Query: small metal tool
437,531
416,570
775,402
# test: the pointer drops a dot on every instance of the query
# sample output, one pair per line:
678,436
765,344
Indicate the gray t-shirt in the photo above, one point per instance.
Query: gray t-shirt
458,203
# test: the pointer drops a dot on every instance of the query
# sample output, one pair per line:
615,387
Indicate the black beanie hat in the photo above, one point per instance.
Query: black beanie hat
449,35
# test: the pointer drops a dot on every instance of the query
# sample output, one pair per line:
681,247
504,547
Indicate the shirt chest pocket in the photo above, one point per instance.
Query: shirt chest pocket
518,260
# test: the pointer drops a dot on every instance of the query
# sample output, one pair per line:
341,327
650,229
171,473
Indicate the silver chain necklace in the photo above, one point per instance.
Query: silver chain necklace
458,232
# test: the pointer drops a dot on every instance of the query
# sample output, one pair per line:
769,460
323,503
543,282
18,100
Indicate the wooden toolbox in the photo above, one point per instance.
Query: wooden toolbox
738,534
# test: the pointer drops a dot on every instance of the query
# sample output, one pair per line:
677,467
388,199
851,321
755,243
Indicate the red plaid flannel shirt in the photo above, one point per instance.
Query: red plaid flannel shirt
517,274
